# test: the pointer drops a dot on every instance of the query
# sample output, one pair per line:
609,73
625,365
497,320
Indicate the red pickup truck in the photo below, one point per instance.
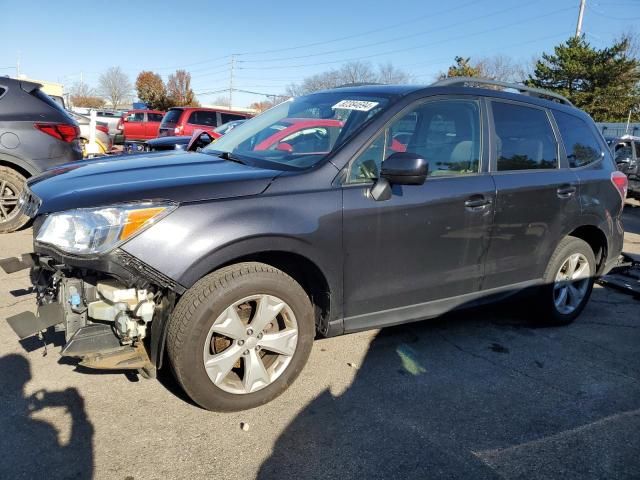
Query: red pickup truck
140,124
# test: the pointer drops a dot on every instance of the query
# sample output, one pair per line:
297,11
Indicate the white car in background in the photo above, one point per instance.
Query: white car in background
104,141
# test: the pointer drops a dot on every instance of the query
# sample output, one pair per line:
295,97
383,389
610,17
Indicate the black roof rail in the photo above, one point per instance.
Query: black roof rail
523,89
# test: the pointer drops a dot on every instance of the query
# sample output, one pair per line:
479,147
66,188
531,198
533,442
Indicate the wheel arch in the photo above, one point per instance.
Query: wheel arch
19,165
304,271
596,239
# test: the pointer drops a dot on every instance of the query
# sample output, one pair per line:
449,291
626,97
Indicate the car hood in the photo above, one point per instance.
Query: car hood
181,177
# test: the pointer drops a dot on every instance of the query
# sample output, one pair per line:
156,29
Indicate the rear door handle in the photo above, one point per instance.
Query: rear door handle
566,191
477,202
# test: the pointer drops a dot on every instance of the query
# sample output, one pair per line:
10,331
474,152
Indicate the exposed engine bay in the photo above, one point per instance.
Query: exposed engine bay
105,321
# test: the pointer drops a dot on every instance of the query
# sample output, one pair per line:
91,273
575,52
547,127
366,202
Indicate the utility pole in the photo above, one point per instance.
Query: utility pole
233,63
580,17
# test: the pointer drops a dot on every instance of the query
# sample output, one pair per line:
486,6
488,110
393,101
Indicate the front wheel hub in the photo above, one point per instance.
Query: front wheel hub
248,362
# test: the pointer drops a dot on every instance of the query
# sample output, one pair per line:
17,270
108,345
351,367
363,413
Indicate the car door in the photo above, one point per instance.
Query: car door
152,125
134,126
536,196
406,257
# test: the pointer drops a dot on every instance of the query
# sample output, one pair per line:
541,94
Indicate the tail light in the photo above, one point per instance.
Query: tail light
178,129
120,125
621,182
62,131
103,129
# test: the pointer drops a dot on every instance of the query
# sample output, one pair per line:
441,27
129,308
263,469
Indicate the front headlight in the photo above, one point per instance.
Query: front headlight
86,231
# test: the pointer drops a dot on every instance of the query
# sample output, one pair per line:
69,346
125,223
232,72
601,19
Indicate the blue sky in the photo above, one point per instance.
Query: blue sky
282,42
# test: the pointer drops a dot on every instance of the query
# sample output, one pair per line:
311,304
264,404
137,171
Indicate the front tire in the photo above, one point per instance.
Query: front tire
240,336
568,282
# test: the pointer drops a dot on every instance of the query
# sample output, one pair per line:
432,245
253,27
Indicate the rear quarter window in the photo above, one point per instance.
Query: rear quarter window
2,90
580,143
230,117
203,117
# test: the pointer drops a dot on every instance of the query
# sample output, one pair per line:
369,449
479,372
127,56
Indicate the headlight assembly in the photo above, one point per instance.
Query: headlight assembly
87,231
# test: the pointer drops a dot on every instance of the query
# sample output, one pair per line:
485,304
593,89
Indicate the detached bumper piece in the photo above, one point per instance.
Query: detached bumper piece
26,324
12,265
625,276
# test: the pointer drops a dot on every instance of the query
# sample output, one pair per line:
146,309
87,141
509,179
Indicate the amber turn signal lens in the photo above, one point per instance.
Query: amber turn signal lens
137,218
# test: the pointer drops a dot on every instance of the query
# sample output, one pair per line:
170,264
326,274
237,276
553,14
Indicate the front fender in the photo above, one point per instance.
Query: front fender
198,238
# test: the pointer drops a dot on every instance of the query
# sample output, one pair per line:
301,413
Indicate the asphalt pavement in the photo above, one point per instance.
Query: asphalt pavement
476,394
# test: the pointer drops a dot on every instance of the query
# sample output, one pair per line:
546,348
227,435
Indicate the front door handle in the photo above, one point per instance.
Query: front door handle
566,191
477,202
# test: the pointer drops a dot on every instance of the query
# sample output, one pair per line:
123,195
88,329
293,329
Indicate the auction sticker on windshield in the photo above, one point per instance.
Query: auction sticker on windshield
360,105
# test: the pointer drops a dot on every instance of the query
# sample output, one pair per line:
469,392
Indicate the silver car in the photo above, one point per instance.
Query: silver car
103,139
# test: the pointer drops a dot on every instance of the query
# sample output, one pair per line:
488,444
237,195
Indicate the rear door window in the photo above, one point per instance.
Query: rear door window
203,117
579,141
154,117
135,117
524,138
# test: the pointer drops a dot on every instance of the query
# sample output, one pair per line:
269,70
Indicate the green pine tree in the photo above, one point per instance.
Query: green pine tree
605,83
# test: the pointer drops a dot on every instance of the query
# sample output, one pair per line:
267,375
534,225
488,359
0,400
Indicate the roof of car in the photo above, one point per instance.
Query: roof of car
404,90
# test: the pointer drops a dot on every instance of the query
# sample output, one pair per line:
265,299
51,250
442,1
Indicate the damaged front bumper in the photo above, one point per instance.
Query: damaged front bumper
113,309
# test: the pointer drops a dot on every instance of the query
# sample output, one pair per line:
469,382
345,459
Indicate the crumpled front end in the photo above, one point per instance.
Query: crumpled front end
112,308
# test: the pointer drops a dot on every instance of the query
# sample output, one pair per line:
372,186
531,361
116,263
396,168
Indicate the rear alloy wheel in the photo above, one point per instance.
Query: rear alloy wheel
572,283
240,336
11,186
568,282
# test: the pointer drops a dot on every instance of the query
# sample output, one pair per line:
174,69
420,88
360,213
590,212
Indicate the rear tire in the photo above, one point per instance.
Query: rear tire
213,324
568,282
11,186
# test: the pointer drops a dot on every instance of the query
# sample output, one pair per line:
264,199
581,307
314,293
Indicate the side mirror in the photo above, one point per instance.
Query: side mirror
401,168
405,168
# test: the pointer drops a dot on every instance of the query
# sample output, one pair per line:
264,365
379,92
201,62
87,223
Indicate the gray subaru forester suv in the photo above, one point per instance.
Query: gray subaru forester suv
339,211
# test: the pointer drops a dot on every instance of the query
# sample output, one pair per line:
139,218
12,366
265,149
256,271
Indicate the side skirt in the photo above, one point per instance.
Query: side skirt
423,311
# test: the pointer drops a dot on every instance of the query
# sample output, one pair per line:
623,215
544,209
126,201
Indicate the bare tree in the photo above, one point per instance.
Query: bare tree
114,85
357,72
503,68
222,101
352,72
179,89
82,95
389,74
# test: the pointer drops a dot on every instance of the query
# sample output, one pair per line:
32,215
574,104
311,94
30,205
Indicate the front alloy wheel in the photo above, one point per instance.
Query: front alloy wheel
240,336
250,344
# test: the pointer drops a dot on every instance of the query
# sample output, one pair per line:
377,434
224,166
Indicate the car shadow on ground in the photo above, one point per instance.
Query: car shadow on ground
33,448
477,394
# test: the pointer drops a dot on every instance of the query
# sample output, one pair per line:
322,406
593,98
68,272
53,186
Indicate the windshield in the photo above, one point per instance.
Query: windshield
300,133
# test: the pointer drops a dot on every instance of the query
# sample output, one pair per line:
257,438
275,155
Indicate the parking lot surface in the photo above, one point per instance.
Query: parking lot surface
475,394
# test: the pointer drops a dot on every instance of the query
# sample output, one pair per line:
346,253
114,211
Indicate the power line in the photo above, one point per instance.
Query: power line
381,42
400,50
348,37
